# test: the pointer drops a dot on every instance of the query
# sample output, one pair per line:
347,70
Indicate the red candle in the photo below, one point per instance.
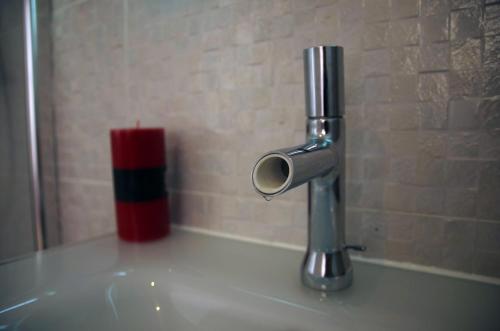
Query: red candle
139,166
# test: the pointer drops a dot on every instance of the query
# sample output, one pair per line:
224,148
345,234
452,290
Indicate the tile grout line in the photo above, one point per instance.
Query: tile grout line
381,262
85,181
64,7
348,208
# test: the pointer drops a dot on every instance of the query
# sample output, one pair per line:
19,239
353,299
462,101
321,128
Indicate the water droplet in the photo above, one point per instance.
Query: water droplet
267,197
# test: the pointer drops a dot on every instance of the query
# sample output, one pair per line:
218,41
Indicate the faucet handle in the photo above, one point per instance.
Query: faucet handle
359,248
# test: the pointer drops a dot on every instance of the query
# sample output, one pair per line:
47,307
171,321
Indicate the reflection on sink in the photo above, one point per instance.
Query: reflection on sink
196,282
153,300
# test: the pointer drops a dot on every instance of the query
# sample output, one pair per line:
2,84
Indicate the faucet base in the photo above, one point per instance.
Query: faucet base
327,271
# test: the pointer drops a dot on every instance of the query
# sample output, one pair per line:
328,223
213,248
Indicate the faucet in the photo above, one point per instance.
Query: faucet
321,163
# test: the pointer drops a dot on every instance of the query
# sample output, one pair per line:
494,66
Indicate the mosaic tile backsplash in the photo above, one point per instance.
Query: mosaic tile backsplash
225,79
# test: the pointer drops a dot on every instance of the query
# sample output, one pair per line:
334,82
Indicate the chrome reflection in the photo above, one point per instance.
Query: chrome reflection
321,164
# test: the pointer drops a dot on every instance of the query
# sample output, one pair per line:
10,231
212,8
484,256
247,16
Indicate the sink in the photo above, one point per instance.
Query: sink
156,300
197,282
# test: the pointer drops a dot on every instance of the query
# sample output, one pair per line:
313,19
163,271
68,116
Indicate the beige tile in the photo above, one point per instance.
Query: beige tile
405,32
431,171
375,168
405,60
432,144
458,252
464,144
400,227
281,27
354,191
377,89
430,200
464,114
489,145
461,202
400,197
372,194
429,243
434,57
466,82
354,168
488,191
466,55
487,263
377,10
376,62
435,28
405,8
433,115
377,118
376,143
488,112
488,235
376,35
399,250
403,143
434,7
433,86
404,88
463,174
465,24
403,170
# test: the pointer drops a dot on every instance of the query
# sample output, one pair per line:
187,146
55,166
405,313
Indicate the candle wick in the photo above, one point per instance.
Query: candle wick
138,124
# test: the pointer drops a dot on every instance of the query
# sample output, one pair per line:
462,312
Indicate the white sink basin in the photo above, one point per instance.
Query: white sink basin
196,282
177,301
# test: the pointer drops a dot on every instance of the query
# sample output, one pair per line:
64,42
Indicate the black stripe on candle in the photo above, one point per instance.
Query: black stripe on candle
138,185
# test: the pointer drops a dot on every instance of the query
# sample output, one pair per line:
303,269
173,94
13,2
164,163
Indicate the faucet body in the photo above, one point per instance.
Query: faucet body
321,163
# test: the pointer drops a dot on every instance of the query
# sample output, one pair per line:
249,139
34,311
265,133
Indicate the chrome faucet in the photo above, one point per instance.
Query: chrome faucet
321,163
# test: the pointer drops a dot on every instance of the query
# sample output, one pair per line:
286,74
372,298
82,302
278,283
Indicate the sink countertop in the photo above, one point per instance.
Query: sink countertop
381,298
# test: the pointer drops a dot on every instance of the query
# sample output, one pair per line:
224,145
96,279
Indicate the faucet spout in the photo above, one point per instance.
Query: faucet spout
281,170
320,163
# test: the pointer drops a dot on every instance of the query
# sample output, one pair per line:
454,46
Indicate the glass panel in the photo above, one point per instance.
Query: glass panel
16,226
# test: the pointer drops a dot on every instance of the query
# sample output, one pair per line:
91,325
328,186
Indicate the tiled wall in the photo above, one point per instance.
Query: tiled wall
224,77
